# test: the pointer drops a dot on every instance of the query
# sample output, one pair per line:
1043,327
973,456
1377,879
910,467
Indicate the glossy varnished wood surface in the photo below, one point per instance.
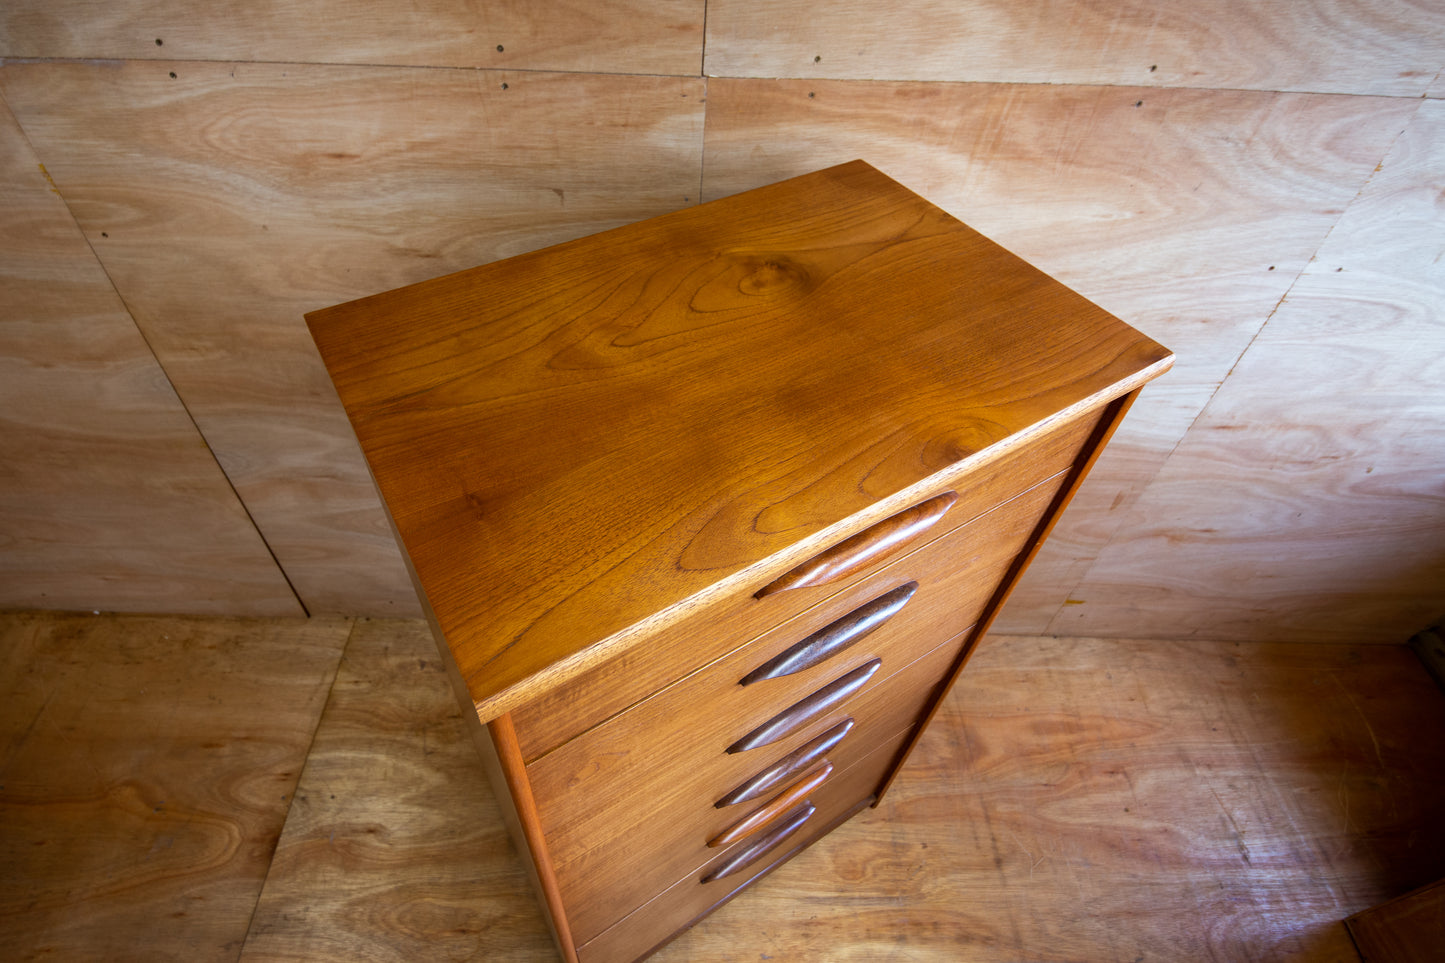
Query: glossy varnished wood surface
574,440
1007,837
654,846
702,891
715,630
146,768
774,809
680,750
867,549
528,834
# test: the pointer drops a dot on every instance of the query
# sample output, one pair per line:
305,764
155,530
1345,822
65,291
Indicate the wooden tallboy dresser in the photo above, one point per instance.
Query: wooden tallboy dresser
709,511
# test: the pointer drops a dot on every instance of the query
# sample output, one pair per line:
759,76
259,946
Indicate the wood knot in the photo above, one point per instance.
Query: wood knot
772,275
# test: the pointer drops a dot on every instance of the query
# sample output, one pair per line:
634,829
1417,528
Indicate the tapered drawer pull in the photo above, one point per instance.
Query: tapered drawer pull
828,641
752,853
765,816
795,761
802,712
887,538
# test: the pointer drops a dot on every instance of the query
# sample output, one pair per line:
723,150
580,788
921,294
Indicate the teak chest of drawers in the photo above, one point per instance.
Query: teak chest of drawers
709,511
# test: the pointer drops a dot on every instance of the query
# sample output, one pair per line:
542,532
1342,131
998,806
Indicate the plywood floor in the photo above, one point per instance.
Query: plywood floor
1076,799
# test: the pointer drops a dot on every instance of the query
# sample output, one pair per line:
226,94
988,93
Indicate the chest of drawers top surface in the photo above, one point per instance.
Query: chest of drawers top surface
575,442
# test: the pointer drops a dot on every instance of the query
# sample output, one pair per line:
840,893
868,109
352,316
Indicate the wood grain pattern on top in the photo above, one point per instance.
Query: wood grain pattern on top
596,36
572,440
1392,47
227,200
109,498
146,769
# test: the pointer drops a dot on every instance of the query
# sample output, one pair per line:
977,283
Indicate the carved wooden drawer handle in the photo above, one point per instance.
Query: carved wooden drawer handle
802,712
871,545
795,761
835,637
749,854
765,816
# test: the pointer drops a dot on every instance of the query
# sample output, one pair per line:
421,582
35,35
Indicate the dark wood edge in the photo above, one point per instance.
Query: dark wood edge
1109,420
794,762
490,704
835,637
876,543
765,815
824,830
509,757
809,707
792,823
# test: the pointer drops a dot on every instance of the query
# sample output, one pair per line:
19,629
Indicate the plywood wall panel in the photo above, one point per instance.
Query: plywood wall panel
1391,47
605,36
1308,501
225,201
1186,213
109,498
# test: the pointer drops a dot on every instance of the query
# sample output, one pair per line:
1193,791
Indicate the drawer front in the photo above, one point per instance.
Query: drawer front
729,622
608,799
688,898
650,853
654,842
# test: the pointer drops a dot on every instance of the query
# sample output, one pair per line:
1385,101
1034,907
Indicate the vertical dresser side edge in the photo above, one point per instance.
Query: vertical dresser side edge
501,758
1113,414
